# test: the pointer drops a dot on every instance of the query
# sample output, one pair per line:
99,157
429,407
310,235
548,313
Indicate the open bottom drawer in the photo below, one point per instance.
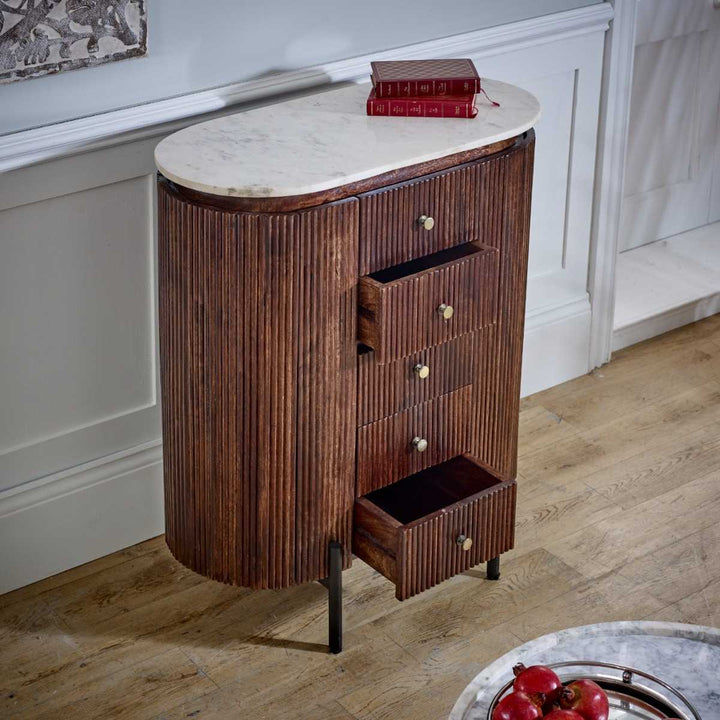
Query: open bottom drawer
435,524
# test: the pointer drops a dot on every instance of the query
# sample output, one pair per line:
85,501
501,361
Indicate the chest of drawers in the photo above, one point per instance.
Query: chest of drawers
341,367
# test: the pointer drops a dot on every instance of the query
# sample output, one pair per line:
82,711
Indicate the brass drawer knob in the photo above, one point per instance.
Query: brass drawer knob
420,444
464,542
447,311
422,371
426,222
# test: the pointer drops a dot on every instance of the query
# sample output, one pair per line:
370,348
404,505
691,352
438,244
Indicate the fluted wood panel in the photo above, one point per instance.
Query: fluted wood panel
254,484
392,387
390,233
428,552
400,317
327,379
496,206
384,448
502,189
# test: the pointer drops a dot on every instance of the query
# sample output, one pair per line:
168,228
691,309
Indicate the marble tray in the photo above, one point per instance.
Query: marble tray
685,656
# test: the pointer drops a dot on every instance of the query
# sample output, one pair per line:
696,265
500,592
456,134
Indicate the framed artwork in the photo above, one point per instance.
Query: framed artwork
38,37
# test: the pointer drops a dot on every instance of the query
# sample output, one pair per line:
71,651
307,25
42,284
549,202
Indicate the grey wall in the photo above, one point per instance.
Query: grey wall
194,46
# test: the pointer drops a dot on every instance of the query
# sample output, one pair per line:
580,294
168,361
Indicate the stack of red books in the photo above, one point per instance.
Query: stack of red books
424,88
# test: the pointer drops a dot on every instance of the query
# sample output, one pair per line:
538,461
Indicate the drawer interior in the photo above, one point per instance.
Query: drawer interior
415,531
427,262
432,490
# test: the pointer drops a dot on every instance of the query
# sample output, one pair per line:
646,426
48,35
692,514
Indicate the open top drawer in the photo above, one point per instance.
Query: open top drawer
428,301
435,524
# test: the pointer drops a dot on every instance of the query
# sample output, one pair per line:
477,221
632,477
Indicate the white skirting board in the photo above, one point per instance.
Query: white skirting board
667,284
555,346
72,517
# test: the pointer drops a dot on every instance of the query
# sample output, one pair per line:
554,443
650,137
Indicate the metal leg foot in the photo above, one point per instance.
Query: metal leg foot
334,586
493,568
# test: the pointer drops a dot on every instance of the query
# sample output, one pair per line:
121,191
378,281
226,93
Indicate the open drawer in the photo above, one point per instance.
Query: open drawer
435,524
428,301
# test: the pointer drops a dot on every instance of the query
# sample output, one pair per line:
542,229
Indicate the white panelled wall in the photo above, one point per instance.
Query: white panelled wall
668,270
80,437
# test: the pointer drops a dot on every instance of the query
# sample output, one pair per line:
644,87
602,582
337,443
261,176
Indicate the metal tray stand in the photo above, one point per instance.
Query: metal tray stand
629,692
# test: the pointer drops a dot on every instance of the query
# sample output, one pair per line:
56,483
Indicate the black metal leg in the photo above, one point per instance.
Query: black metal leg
493,568
335,610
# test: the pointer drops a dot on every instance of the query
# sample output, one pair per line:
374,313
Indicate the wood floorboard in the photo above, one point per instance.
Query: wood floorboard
618,518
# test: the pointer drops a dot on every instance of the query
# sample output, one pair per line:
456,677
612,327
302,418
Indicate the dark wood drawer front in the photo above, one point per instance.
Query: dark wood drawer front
385,450
435,524
392,387
464,202
428,301
390,231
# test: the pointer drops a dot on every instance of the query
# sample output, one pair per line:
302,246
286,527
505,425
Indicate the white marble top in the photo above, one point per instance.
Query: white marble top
686,657
324,140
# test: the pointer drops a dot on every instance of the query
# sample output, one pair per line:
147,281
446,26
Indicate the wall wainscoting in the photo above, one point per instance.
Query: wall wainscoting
80,460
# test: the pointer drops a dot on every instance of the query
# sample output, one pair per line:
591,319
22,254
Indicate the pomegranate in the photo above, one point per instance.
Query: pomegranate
537,679
586,698
560,714
519,706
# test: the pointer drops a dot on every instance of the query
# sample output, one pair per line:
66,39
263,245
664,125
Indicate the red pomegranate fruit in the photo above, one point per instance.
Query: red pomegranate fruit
519,706
560,714
586,698
537,679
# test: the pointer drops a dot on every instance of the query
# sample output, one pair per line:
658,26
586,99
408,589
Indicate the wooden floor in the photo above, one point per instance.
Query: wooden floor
619,518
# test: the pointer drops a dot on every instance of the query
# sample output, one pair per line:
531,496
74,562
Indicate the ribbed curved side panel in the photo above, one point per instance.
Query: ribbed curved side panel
401,317
392,387
428,552
384,449
503,188
239,322
327,385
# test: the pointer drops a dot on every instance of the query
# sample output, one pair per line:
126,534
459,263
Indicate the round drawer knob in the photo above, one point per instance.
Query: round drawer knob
426,222
420,444
422,371
464,542
447,311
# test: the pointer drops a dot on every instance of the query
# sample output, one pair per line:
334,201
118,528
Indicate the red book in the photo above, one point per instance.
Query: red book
417,78
458,106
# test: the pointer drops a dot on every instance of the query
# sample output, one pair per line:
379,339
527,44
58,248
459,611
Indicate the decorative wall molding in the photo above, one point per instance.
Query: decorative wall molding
52,141
560,336
77,515
538,318
610,176
81,477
